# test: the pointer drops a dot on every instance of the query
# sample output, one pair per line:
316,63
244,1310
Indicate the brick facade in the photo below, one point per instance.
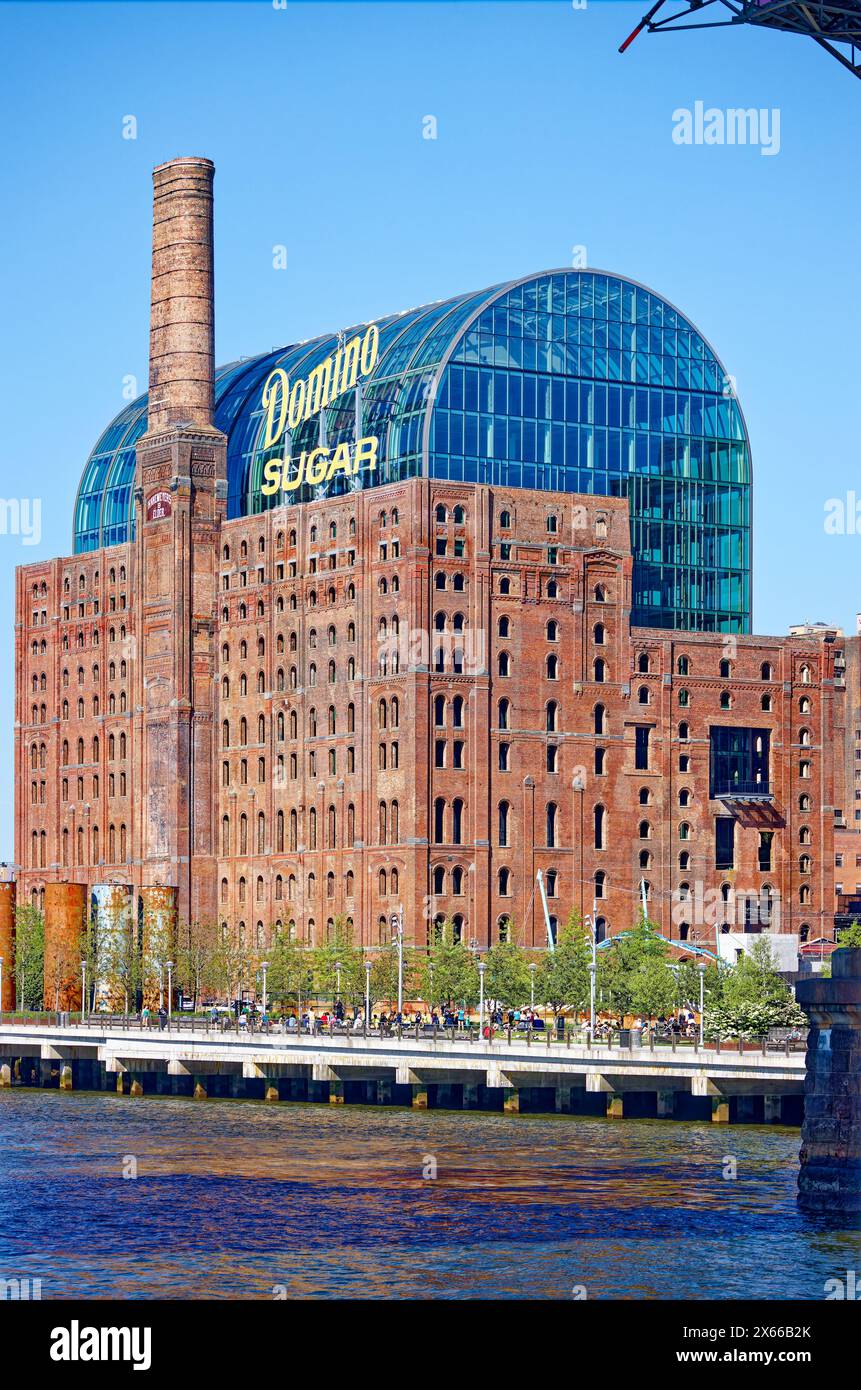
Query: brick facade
273,792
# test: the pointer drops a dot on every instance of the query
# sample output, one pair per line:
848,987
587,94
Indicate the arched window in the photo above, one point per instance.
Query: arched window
600,720
552,824
439,821
504,816
457,821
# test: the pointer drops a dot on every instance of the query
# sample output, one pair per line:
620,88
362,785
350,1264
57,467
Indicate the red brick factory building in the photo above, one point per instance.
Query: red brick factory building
492,617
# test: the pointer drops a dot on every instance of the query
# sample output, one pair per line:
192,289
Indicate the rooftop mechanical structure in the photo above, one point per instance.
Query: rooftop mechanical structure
836,27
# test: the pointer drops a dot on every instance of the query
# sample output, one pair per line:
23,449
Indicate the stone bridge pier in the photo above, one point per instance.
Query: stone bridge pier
830,1176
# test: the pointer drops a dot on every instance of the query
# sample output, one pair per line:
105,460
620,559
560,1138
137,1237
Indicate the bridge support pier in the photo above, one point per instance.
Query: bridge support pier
270,1091
5,1074
666,1105
66,1076
470,1096
136,1086
385,1091
200,1088
420,1096
720,1110
772,1109
511,1100
615,1105
563,1100
336,1093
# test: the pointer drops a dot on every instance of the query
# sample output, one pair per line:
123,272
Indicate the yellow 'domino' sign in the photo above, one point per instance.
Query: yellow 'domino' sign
288,406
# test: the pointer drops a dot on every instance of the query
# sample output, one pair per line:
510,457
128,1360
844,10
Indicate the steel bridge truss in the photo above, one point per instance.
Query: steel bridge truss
835,26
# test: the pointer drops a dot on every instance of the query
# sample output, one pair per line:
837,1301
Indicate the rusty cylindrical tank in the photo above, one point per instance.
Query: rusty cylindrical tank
117,952
65,943
7,944
158,917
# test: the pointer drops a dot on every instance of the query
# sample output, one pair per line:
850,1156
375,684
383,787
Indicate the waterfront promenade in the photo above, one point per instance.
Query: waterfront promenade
728,1083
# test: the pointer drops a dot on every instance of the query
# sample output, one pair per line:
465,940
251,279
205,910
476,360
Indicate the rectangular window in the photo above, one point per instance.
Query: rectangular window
725,842
766,838
641,751
738,761
439,753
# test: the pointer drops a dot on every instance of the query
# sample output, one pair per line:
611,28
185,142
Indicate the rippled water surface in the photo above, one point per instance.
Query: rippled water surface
233,1198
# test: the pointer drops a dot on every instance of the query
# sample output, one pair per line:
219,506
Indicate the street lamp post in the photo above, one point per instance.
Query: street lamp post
367,995
482,966
397,923
1,984
264,967
532,969
160,985
337,982
83,991
701,967
169,968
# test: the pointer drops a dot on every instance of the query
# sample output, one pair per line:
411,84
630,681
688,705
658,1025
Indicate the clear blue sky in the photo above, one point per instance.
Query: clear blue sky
547,138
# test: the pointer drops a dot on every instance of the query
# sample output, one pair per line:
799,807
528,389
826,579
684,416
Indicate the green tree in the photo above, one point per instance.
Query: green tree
754,979
448,972
619,963
29,961
688,984
340,950
653,988
289,977
195,944
506,981
562,979
384,975
849,936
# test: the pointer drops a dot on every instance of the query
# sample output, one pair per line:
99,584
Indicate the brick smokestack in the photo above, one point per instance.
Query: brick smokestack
182,317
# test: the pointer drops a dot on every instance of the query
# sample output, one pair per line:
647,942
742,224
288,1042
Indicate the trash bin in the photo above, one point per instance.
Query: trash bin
560,1027
624,1038
636,1037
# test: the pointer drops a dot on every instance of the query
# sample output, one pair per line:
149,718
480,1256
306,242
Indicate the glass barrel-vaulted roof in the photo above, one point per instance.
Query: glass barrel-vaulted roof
570,380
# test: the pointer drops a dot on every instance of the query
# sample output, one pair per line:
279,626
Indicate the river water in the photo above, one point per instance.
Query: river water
236,1199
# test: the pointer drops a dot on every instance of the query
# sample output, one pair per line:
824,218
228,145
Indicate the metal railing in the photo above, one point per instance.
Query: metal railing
628,1040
